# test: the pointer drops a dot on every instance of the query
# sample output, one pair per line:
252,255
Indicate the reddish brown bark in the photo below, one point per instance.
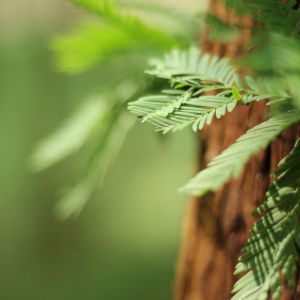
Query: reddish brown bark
217,226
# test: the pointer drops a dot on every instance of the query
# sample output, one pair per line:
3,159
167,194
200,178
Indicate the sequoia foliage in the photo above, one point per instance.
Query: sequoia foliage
193,89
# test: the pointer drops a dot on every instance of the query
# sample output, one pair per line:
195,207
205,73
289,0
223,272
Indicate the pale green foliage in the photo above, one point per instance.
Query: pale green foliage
103,120
174,112
204,86
192,76
183,24
89,45
188,65
110,12
71,136
271,254
110,142
231,161
277,66
119,33
209,73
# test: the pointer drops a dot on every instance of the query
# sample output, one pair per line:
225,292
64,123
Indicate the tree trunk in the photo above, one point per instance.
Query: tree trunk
217,226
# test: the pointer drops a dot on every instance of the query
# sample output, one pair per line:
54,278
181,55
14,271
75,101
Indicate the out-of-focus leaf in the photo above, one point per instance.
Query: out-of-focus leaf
181,20
71,136
89,45
118,34
110,143
220,31
131,24
280,55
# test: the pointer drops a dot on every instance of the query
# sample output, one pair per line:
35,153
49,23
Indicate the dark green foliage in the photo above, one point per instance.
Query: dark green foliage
273,15
218,30
271,255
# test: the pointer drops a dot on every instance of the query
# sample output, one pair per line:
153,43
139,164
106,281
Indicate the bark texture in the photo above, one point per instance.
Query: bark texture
217,226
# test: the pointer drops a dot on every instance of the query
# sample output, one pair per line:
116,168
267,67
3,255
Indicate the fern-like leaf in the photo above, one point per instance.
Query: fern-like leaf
208,73
110,12
116,35
89,45
271,255
110,142
192,65
174,112
192,77
203,86
71,137
230,162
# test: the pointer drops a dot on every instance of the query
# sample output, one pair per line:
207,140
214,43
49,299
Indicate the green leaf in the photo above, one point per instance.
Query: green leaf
89,45
132,25
271,254
230,162
118,34
204,87
110,142
170,113
182,22
71,136
183,66
100,125
236,94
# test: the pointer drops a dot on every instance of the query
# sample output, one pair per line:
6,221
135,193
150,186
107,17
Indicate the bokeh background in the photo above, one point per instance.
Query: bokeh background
125,243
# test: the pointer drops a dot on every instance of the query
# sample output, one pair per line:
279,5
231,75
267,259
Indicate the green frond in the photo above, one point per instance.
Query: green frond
111,13
271,255
99,125
278,56
231,161
110,142
172,112
116,35
188,65
71,136
181,20
208,73
89,45
277,67
192,78
272,88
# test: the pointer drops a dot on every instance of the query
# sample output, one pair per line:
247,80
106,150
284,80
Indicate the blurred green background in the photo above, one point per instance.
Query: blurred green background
125,242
